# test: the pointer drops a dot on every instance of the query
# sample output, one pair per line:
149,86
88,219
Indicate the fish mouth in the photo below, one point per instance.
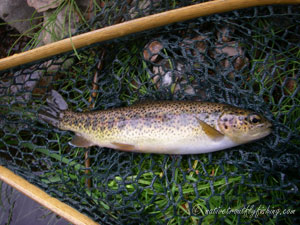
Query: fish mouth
262,131
269,125
268,128
265,131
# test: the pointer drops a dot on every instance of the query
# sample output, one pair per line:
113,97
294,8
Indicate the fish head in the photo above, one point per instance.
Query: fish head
243,126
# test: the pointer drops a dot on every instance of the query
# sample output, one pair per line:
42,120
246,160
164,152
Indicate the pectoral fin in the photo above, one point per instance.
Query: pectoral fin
79,141
210,131
125,147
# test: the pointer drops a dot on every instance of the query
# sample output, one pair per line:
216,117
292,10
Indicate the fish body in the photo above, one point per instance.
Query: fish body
165,127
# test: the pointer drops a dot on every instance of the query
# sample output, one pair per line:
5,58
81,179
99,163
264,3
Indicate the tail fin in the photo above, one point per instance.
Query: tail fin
54,111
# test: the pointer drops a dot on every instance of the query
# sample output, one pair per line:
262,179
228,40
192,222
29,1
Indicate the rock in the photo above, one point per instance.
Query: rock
165,76
229,49
290,85
17,14
142,7
225,34
17,208
235,57
59,28
56,31
151,50
198,43
44,5
20,85
174,79
87,7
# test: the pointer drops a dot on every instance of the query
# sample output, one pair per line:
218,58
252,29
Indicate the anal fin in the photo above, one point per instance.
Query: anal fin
125,147
79,141
210,131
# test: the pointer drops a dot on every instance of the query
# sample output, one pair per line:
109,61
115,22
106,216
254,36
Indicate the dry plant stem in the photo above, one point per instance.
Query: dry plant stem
95,79
35,193
87,163
123,9
88,181
90,9
133,26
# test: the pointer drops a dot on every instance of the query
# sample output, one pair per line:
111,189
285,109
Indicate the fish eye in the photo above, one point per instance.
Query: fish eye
255,119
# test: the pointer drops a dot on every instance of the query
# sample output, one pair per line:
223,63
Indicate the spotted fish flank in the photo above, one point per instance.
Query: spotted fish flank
167,127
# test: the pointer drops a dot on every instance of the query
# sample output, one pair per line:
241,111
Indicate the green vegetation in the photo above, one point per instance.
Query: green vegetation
164,187
55,28
275,73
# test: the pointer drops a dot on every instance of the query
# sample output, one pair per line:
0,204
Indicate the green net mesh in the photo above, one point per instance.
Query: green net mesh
247,58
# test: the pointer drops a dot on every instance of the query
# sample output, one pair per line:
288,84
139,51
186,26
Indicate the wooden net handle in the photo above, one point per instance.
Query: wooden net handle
35,193
133,26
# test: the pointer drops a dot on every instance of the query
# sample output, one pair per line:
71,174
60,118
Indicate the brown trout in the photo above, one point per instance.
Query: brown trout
165,127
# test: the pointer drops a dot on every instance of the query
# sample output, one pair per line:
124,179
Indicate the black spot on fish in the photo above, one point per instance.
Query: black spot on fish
87,122
165,118
95,123
148,123
135,116
110,123
149,115
121,124
101,119
121,118
102,128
